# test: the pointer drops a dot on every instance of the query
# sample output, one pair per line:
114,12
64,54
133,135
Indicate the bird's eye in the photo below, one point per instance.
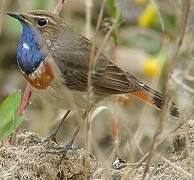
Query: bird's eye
42,22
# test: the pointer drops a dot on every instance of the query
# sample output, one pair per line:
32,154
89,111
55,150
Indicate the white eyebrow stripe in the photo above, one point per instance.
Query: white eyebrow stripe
25,46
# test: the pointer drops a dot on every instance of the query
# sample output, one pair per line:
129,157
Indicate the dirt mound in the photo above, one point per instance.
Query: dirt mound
31,158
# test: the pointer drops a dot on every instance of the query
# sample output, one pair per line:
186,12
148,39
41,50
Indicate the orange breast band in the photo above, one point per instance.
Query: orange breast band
42,77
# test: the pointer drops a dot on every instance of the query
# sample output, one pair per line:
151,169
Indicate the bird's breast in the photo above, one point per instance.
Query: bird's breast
42,77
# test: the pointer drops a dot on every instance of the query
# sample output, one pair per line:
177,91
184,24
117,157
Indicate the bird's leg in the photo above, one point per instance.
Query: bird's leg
64,149
68,146
52,136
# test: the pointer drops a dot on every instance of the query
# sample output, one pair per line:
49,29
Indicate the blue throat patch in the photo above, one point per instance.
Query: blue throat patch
30,54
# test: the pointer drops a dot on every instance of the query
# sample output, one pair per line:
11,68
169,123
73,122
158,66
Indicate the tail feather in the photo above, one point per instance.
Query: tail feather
155,99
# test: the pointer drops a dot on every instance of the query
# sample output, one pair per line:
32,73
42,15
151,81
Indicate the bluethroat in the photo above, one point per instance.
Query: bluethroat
55,61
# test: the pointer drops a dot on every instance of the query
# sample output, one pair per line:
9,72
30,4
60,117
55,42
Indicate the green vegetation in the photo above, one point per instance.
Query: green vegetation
8,114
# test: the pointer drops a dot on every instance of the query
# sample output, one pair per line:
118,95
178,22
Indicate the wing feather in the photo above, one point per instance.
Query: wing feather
107,78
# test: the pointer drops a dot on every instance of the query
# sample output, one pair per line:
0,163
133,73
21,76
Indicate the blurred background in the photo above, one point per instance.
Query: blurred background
143,44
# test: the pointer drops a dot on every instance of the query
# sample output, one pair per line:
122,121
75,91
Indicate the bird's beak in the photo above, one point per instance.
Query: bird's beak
21,17
15,15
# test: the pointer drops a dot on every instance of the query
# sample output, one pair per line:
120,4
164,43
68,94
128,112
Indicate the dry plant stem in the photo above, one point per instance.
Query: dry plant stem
59,7
178,81
94,55
108,164
188,146
153,145
3,7
159,14
25,100
86,119
175,129
89,4
94,147
186,7
91,67
184,19
93,59
115,128
106,39
87,125
92,62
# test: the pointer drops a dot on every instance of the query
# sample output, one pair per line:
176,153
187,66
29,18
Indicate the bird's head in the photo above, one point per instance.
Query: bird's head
47,23
41,30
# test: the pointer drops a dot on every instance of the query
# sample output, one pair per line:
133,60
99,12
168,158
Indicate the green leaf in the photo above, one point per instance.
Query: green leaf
9,120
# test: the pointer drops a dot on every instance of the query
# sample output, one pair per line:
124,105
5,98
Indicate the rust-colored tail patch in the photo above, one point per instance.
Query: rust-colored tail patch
155,99
143,96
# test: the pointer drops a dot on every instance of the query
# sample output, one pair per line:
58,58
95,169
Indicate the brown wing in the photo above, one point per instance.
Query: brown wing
72,58
107,79
74,70
113,80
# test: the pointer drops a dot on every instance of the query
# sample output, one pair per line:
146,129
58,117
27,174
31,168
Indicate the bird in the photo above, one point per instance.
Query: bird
55,61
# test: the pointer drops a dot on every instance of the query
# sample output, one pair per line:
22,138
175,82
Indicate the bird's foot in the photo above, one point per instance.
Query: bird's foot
64,149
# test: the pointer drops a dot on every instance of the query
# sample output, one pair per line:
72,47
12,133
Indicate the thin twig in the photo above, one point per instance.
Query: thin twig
92,63
88,9
180,82
91,67
59,6
175,129
186,7
88,4
3,7
159,14
184,15
25,100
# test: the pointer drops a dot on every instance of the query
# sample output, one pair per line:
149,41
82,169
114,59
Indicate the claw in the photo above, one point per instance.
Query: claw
64,149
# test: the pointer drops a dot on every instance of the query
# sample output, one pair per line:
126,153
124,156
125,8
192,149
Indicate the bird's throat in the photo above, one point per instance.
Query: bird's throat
30,52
